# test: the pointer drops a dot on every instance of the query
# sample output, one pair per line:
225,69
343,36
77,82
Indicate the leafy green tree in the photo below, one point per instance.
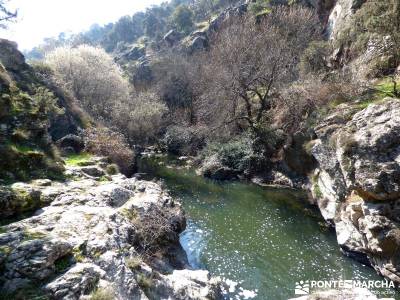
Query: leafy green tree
183,18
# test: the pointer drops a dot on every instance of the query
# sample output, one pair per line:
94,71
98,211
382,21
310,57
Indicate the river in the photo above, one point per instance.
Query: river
262,240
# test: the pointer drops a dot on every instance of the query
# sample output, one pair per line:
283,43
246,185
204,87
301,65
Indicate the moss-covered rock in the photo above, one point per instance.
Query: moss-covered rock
26,109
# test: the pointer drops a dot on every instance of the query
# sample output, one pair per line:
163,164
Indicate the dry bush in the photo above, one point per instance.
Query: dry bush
142,119
250,62
105,142
92,76
302,100
154,230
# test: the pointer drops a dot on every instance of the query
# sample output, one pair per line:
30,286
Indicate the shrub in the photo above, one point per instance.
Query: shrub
154,229
314,58
112,169
134,262
103,294
236,154
143,118
92,77
105,142
183,18
145,282
184,140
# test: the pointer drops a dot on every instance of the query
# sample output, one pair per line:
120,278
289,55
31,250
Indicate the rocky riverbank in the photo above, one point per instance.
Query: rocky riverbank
98,235
357,182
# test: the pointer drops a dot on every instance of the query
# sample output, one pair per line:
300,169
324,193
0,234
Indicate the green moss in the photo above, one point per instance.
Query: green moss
131,214
78,253
112,169
5,250
315,186
33,235
104,179
78,159
317,191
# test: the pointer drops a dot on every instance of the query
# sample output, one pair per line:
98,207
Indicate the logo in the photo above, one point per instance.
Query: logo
302,288
382,287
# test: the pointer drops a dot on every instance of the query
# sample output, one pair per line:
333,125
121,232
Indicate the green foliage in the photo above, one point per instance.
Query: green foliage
78,159
260,7
183,140
236,154
381,90
183,18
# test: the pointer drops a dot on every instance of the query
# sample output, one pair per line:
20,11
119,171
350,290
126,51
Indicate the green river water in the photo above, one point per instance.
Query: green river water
263,239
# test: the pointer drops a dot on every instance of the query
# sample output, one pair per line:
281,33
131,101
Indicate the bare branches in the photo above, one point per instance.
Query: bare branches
5,14
249,62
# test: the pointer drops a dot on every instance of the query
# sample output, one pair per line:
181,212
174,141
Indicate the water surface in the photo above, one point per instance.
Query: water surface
263,239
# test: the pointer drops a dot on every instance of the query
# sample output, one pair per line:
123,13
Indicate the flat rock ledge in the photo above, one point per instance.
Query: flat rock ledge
107,237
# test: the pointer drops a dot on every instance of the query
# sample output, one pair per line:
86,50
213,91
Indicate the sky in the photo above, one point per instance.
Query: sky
38,19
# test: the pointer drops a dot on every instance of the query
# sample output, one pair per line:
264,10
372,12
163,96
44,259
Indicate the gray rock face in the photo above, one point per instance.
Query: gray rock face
341,15
10,57
172,37
358,182
134,52
74,142
100,235
198,43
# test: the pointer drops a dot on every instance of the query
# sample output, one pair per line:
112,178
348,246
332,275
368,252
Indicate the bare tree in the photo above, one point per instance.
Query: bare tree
250,62
6,15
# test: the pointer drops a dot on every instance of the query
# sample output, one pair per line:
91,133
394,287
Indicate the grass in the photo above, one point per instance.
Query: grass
77,159
102,294
145,282
23,149
381,90
134,262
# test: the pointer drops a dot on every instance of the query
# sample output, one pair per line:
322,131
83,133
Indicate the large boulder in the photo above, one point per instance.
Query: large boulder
172,37
134,52
357,183
71,142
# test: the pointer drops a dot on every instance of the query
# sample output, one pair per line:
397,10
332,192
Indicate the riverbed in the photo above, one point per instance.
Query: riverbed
261,240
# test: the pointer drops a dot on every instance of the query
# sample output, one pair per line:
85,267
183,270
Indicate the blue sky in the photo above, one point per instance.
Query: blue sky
46,18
